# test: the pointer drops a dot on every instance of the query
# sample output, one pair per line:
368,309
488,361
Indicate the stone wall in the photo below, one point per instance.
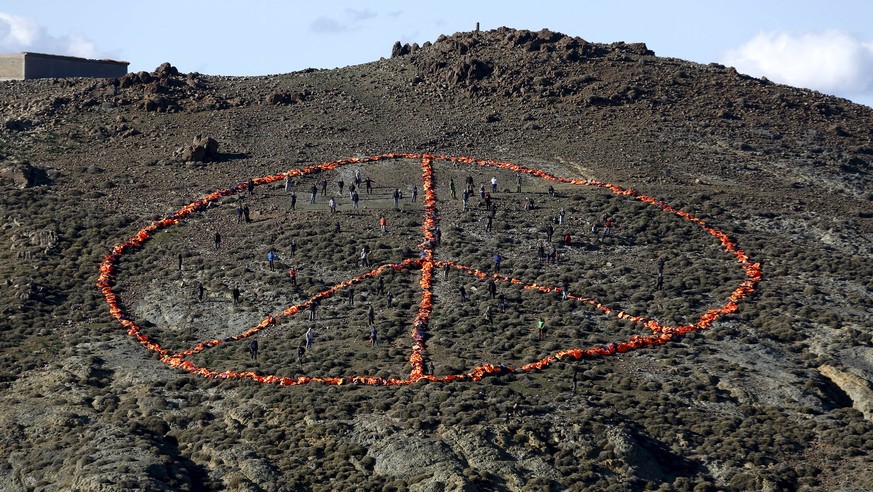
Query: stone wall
37,66
12,67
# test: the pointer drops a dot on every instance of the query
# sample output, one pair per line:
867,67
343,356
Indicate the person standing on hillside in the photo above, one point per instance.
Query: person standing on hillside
253,348
383,224
246,213
463,293
518,183
358,177
494,184
488,315
332,204
217,240
465,196
414,193
313,309
293,200
323,187
489,221
271,257
492,289
396,197
365,257
235,294
308,338
371,315
355,199
374,337
314,192
368,183
452,188
659,283
292,273
287,183
497,260
341,184
541,328
239,213
251,186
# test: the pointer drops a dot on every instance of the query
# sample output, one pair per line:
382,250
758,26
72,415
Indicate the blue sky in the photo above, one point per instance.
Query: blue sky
822,45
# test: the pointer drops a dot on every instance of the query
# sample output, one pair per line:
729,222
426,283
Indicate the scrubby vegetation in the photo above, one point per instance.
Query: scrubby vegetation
743,406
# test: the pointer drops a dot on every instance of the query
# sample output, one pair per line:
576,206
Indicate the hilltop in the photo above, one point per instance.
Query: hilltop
776,396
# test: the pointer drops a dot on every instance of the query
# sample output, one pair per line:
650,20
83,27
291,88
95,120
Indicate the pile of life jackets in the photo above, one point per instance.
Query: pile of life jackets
660,334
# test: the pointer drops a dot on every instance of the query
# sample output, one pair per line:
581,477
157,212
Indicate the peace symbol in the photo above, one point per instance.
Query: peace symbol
428,264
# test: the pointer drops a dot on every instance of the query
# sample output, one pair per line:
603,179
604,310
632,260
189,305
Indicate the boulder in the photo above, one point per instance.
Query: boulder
403,49
400,49
277,97
165,70
467,71
22,175
201,149
858,388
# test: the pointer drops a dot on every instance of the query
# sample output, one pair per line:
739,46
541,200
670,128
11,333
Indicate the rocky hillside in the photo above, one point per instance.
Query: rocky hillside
775,396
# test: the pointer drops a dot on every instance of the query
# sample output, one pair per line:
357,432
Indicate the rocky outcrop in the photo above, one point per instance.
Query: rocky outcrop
165,70
466,60
278,97
858,388
201,149
403,49
22,175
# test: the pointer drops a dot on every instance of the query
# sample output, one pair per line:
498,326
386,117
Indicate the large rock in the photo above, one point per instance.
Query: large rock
165,70
201,149
858,388
22,175
278,97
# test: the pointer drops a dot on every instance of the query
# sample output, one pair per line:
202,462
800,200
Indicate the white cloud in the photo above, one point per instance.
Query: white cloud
79,46
832,61
353,21
361,15
17,32
328,25
23,34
